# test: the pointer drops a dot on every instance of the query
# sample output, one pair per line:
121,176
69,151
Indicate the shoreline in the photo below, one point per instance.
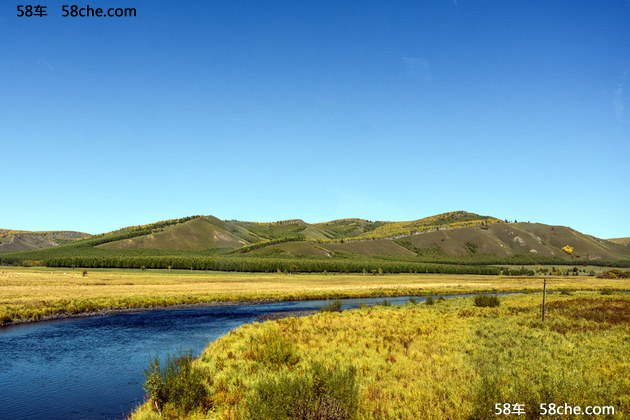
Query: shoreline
113,311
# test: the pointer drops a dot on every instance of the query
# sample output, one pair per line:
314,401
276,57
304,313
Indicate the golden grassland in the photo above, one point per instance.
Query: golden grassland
450,360
32,293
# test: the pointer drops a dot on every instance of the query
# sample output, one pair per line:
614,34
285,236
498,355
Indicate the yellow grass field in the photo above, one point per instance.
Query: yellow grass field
37,293
449,360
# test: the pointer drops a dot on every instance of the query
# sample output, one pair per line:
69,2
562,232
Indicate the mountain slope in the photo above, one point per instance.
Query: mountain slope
349,228
283,229
196,234
509,239
455,237
451,220
620,241
15,240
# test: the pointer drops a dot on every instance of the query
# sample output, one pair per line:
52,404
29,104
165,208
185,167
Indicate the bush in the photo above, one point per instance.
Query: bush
319,393
178,387
606,292
334,306
386,302
487,301
430,301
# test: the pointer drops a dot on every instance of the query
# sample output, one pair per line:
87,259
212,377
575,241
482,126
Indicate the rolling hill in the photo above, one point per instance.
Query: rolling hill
455,238
510,239
18,240
620,241
195,234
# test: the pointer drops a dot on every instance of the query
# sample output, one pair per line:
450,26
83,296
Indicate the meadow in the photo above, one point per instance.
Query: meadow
33,293
448,360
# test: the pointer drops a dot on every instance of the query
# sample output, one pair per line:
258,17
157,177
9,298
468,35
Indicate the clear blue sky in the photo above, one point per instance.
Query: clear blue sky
263,111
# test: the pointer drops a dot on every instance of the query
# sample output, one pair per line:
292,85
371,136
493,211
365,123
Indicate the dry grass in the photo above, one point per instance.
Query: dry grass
36,292
447,361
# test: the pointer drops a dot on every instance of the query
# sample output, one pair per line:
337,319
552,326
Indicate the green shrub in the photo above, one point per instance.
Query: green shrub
319,393
430,301
334,306
178,387
606,292
386,302
413,301
487,300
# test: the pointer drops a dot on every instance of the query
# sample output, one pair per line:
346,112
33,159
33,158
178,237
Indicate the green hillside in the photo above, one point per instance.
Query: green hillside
349,228
292,249
451,220
195,234
206,242
19,240
378,247
511,239
283,229
620,241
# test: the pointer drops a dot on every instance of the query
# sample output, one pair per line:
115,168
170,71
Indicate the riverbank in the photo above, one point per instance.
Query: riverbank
39,293
104,312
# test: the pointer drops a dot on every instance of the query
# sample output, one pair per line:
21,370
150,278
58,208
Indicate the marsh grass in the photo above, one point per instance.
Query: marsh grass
318,393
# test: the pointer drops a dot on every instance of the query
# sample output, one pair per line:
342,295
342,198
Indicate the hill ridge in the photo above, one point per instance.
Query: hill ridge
446,237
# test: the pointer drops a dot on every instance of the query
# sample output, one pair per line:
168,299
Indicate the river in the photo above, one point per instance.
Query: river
92,368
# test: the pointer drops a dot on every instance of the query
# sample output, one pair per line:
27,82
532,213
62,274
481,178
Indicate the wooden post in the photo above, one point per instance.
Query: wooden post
544,297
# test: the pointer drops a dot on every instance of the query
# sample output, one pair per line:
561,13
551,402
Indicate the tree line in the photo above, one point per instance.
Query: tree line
246,264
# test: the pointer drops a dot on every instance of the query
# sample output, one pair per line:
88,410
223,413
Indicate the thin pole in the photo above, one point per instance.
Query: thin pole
544,296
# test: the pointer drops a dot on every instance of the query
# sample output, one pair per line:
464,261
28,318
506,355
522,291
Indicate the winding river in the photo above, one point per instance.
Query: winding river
92,368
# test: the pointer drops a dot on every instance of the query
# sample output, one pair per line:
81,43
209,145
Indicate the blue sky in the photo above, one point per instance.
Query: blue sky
274,110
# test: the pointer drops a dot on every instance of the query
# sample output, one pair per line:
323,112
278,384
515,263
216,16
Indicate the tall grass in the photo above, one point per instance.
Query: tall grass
452,360
319,393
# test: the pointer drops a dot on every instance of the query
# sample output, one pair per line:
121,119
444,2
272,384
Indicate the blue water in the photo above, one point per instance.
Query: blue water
92,368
